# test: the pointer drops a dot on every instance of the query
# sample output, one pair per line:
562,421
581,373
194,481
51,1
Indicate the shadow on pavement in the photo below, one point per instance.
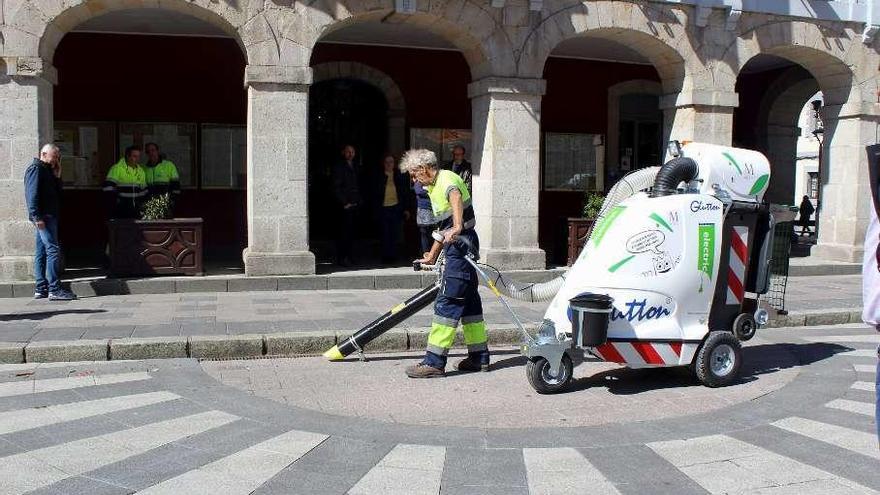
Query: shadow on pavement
42,315
757,360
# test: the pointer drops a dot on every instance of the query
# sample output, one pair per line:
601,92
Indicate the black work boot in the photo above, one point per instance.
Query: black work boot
469,364
422,370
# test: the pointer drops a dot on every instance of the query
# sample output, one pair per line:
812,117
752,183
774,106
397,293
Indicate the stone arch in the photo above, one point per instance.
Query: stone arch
635,86
836,58
845,70
328,71
786,97
62,20
363,72
778,133
653,31
473,27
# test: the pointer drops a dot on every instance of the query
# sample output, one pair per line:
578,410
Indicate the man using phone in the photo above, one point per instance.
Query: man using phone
42,186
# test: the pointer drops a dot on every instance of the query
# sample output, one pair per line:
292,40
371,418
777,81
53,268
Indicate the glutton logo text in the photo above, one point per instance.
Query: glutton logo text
701,206
637,310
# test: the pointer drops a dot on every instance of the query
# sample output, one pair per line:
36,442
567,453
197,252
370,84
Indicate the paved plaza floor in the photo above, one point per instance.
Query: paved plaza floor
801,420
332,311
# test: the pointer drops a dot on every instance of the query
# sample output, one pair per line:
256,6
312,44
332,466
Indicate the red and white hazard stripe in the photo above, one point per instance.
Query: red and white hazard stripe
641,353
736,270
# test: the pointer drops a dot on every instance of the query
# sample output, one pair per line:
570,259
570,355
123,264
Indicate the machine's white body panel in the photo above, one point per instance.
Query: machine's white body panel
658,259
744,174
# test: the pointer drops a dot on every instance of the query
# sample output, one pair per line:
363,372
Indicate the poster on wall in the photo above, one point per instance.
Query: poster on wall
87,152
441,141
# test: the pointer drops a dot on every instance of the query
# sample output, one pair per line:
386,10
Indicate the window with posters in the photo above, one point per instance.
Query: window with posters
88,150
177,141
571,161
441,141
209,156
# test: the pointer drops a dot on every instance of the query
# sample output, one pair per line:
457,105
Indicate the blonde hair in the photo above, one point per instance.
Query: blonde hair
414,159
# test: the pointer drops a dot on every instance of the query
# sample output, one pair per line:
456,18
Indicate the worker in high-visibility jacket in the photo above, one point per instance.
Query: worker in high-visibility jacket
162,176
126,186
458,300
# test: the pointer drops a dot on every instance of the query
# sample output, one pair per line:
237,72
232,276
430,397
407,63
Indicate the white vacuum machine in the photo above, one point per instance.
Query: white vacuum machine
669,275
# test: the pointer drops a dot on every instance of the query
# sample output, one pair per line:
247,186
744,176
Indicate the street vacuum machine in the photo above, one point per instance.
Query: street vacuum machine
670,275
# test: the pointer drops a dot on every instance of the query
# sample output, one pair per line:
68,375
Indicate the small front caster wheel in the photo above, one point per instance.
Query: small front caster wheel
744,327
543,380
718,360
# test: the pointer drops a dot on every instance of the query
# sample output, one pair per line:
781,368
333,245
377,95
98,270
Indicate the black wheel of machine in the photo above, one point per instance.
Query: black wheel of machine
718,360
744,327
543,381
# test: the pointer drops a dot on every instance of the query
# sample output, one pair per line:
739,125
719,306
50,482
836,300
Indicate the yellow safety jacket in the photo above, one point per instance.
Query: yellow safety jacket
162,178
445,182
126,188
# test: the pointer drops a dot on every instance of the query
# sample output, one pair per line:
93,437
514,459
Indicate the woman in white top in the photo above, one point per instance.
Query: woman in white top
871,266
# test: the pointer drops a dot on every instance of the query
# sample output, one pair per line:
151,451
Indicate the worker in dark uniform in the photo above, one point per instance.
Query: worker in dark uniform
459,299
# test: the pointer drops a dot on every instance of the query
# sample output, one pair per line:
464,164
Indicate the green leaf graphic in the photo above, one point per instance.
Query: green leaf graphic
759,184
657,218
601,229
613,268
733,161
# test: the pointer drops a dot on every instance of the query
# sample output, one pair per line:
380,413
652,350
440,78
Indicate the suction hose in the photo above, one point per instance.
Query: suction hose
626,187
673,173
533,292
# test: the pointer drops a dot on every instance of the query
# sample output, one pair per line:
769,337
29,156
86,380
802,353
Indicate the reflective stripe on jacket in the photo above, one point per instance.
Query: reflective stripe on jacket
162,178
127,187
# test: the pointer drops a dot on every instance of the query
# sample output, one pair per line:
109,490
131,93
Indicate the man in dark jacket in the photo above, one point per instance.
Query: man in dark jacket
461,167
347,192
42,189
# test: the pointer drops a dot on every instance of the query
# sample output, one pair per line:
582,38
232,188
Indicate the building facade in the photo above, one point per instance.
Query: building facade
513,71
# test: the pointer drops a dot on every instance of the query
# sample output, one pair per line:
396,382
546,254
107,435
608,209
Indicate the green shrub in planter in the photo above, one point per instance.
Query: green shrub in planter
157,208
593,204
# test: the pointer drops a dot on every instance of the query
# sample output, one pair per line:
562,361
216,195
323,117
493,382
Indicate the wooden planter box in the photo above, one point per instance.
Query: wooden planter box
578,228
156,247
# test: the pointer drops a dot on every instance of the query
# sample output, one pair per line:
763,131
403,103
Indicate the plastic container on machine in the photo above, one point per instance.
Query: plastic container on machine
744,174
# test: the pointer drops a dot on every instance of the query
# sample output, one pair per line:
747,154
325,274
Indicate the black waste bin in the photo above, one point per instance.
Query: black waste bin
589,319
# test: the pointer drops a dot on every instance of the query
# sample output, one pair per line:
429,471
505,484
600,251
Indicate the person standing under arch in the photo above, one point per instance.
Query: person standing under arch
461,166
346,190
161,173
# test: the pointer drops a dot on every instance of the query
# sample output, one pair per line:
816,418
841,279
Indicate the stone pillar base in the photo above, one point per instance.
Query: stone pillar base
839,252
294,263
515,259
16,268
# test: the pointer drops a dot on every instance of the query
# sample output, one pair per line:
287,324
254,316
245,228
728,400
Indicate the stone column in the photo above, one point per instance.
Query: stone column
277,166
506,156
702,116
25,125
845,196
781,151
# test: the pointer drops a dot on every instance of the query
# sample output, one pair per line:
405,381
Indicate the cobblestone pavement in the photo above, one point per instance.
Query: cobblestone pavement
237,313
800,421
